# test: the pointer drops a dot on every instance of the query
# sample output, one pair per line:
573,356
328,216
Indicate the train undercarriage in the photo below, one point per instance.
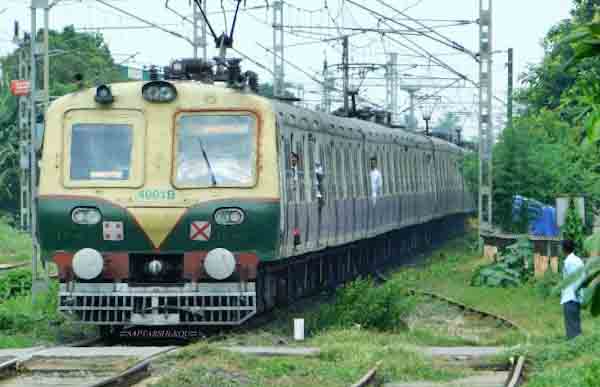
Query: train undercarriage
233,303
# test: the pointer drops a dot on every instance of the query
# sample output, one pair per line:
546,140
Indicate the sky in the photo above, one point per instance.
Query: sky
518,24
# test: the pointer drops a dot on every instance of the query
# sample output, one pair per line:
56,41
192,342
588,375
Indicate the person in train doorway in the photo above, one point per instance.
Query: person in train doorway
569,298
376,181
294,170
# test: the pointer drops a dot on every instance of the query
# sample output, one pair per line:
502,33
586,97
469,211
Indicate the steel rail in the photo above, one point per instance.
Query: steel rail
129,377
369,378
126,378
470,309
516,376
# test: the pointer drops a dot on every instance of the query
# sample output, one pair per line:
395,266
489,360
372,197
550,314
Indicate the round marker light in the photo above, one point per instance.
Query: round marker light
87,264
219,264
159,91
86,215
167,93
229,216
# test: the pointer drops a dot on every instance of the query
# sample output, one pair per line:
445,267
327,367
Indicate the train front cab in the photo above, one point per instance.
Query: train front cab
146,213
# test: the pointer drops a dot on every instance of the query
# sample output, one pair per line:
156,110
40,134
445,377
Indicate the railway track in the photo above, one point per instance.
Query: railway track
79,364
503,320
517,366
5,267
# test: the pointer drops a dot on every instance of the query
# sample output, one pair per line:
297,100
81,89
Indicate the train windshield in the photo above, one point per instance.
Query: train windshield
216,150
101,152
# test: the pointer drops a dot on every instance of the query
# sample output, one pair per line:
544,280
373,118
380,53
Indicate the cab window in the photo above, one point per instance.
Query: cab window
101,152
217,150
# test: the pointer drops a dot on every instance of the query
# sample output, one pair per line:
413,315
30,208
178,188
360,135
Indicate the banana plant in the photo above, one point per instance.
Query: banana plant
585,43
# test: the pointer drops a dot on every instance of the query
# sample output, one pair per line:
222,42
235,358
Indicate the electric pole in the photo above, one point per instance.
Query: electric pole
509,99
24,134
202,40
327,87
34,95
412,93
486,132
346,70
392,84
278,50
46,60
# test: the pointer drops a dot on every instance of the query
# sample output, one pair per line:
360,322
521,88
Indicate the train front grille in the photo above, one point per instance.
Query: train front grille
157,307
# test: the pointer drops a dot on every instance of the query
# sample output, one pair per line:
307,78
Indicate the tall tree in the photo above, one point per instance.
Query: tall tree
75,53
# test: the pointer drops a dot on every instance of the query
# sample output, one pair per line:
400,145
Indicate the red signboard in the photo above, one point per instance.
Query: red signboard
20,88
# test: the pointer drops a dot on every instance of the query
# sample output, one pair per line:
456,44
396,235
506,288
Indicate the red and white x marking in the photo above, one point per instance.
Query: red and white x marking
200,231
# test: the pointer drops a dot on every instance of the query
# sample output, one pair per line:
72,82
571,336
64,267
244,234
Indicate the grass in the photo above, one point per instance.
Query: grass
449,273
347,354
552,360
25,322
348,348
15,246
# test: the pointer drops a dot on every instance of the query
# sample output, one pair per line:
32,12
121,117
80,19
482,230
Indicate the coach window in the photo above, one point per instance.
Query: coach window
357,172
403,173
335,169
312,168
392,165
383,169
416,169
291,168
388,170
430,158
396,169
350,173
419,164
301,161
340,171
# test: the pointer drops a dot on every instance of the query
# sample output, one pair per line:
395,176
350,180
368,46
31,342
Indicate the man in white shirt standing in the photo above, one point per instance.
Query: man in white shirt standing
376,181
568,299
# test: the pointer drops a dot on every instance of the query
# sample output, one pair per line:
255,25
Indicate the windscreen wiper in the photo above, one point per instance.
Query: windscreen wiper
210,169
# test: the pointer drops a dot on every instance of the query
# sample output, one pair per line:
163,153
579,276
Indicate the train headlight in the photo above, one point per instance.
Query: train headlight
159,91
229,216
155,267
87,264
104,95
86,215
219,264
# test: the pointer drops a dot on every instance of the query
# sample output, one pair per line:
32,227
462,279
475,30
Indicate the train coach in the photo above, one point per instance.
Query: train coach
178,202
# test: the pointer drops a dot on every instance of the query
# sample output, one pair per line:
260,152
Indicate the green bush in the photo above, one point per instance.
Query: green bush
591,374
364,304
22,314
514,267
546,286
15,283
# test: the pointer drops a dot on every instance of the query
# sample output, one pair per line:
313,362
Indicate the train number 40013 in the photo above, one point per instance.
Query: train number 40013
156,194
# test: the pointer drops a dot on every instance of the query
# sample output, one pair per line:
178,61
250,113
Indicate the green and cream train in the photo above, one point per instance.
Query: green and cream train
191,203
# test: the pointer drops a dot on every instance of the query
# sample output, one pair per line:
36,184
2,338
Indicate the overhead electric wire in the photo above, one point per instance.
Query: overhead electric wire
452,42
423,98
384,17
177,13
157,26
313,78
